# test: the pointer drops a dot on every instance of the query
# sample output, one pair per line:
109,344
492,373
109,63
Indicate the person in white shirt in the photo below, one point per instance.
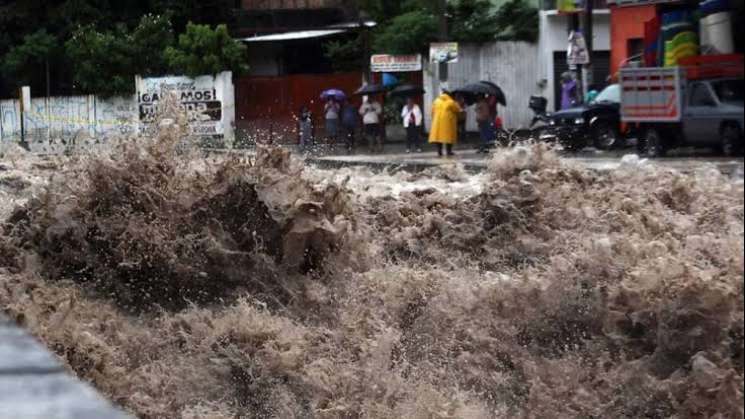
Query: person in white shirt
371,112
332,110
412,117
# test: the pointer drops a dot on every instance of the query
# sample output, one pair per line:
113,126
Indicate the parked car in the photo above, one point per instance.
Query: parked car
678,106
596,123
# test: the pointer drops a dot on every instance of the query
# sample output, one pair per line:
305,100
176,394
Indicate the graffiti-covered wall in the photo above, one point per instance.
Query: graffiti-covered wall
68,117
209,102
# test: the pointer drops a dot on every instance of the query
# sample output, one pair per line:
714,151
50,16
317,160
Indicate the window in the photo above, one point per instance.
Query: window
611,94
730,91
700,95
635,48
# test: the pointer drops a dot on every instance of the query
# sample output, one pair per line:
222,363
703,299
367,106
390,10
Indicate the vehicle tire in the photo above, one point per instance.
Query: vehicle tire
655,146
605,136
731,140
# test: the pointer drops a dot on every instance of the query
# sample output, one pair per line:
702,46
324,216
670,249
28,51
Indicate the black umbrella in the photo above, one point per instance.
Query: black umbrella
406,90
370,89
473,91
498,93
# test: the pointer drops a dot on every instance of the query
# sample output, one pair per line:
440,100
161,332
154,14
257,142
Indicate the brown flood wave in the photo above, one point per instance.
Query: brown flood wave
185,287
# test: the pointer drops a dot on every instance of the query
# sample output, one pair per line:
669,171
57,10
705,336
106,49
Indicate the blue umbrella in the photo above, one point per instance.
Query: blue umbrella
333,94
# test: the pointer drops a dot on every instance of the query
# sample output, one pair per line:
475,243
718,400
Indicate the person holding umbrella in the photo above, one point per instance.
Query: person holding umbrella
412,118
371,111
444,131
331,112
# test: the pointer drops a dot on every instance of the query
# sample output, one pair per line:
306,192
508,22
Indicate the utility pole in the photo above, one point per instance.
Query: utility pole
443,35
574,27
365,34
587,73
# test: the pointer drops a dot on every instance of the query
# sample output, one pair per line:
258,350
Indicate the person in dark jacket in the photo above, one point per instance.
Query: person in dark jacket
349,122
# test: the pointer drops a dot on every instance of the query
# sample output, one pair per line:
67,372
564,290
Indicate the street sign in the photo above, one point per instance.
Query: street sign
443,53
395,63
577,53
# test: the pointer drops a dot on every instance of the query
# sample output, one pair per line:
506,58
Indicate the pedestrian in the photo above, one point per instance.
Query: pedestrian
444,131
462,118
412,118
349,125
569,89
592,94
305,128
332,111
371,111
485,120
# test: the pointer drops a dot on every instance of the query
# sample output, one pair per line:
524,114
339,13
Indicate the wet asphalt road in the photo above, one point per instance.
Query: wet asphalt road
684,160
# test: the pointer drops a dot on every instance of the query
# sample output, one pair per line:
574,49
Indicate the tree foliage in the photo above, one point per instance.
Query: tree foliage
518,21
346,54
150,39
472,21
27,60
203,50
409,26
102,61
97,22
408,33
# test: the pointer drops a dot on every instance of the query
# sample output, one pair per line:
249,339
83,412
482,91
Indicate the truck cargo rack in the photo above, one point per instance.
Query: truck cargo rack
652,94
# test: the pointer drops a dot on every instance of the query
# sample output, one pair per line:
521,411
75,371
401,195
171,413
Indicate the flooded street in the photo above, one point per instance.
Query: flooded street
255,286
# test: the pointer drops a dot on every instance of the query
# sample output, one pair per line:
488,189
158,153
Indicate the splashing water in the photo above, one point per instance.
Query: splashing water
186,287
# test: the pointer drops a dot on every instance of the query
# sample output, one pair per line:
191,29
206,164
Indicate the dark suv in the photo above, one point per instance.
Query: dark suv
597,123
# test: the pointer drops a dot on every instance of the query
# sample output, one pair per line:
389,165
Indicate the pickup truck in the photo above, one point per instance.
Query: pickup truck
679,106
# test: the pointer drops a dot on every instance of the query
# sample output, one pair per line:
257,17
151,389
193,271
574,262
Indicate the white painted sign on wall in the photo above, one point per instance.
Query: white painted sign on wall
208,101
384,63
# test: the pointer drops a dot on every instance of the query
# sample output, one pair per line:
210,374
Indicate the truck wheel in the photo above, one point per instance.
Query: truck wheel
605,136
654,144
731,140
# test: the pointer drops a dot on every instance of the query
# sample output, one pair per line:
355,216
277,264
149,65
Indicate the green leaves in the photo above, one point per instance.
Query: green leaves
518,21
346,55
105,62
27,59
408,33
118,39
102,62
149,40
411,25
202,50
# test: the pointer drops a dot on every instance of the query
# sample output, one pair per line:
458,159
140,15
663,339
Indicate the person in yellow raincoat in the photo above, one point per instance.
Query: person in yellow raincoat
444,131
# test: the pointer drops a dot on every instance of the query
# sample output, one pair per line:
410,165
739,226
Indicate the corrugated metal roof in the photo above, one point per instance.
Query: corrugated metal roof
309,34
289,36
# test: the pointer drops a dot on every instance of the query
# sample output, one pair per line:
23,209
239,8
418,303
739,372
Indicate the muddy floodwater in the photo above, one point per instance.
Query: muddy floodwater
258,287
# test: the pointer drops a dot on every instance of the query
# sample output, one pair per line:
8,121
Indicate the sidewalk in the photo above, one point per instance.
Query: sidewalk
34,386
466,155
395,155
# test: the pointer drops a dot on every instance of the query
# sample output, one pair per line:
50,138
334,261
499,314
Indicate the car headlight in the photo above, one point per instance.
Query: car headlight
579,121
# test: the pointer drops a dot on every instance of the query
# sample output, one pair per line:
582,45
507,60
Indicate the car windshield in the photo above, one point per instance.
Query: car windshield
729,90
611,93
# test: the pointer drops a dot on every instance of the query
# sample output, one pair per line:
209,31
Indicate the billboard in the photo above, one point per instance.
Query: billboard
384,63
208,101
443,53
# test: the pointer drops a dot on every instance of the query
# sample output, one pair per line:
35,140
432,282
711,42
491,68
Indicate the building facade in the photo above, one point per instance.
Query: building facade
288,67
553,44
